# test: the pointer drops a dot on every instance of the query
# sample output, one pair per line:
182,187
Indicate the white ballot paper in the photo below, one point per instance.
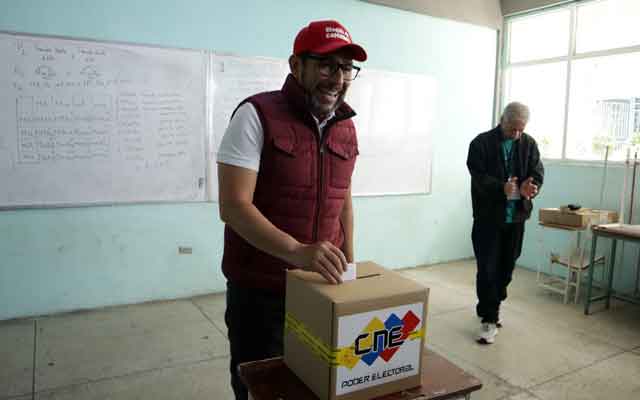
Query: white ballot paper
350,273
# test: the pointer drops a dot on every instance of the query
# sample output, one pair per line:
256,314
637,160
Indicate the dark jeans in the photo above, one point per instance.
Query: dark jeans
255,324
496,247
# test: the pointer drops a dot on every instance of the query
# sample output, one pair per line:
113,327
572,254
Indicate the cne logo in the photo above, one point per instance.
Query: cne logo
382,339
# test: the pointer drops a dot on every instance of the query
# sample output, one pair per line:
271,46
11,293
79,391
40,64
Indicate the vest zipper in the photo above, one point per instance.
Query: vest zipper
320,182
322,138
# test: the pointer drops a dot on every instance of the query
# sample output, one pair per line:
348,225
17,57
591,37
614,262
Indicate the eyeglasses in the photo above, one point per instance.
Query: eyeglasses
327,67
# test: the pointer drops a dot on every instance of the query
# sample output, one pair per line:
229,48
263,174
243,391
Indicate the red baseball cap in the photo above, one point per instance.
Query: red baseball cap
322,37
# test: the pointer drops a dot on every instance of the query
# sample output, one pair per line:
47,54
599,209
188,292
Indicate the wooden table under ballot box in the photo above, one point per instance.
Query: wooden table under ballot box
441,379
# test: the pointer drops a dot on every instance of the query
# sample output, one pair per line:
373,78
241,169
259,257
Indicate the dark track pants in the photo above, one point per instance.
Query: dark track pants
496,247
255,324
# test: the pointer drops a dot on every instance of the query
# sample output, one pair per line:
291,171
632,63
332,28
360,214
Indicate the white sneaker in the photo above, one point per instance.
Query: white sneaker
488,333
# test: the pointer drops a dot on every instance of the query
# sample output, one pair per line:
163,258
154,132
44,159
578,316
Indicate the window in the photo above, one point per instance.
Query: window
636,114
576,67
606,25
602,106
542,88
543,36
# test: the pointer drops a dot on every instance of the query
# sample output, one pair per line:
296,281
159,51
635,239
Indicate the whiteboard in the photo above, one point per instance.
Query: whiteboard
86,122
395,114
233,79
394,119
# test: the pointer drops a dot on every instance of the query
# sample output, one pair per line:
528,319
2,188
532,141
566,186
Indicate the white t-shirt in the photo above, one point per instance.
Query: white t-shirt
242,142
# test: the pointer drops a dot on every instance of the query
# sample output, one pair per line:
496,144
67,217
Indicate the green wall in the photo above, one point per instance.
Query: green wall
55,260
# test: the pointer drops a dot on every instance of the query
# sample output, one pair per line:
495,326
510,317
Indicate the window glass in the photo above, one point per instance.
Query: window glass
540,36
608,24
604,107
542,88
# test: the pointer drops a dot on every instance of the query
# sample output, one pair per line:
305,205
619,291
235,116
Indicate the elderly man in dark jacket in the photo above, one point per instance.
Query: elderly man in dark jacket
506,173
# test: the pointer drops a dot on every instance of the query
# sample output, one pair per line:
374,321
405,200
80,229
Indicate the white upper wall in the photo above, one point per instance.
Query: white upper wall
478,12
516,6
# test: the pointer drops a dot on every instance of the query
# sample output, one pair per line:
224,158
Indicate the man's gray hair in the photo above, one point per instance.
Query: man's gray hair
515,111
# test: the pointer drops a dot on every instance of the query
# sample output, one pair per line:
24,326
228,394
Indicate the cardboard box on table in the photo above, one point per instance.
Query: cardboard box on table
578,218
358,340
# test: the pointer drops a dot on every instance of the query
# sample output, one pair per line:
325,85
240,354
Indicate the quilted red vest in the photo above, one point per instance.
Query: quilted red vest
301,184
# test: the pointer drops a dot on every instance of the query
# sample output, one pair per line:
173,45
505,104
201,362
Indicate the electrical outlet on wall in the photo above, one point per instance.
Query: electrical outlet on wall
185,250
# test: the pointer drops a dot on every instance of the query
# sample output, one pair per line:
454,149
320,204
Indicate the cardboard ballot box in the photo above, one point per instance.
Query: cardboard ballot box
358,340
578,218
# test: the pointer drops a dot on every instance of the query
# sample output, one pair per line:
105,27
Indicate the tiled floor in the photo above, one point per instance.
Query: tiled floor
178,349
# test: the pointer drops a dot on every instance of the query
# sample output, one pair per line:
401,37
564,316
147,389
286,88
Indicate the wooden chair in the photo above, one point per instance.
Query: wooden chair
566,272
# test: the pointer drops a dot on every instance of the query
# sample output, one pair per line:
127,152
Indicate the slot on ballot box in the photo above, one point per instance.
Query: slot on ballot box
357,340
